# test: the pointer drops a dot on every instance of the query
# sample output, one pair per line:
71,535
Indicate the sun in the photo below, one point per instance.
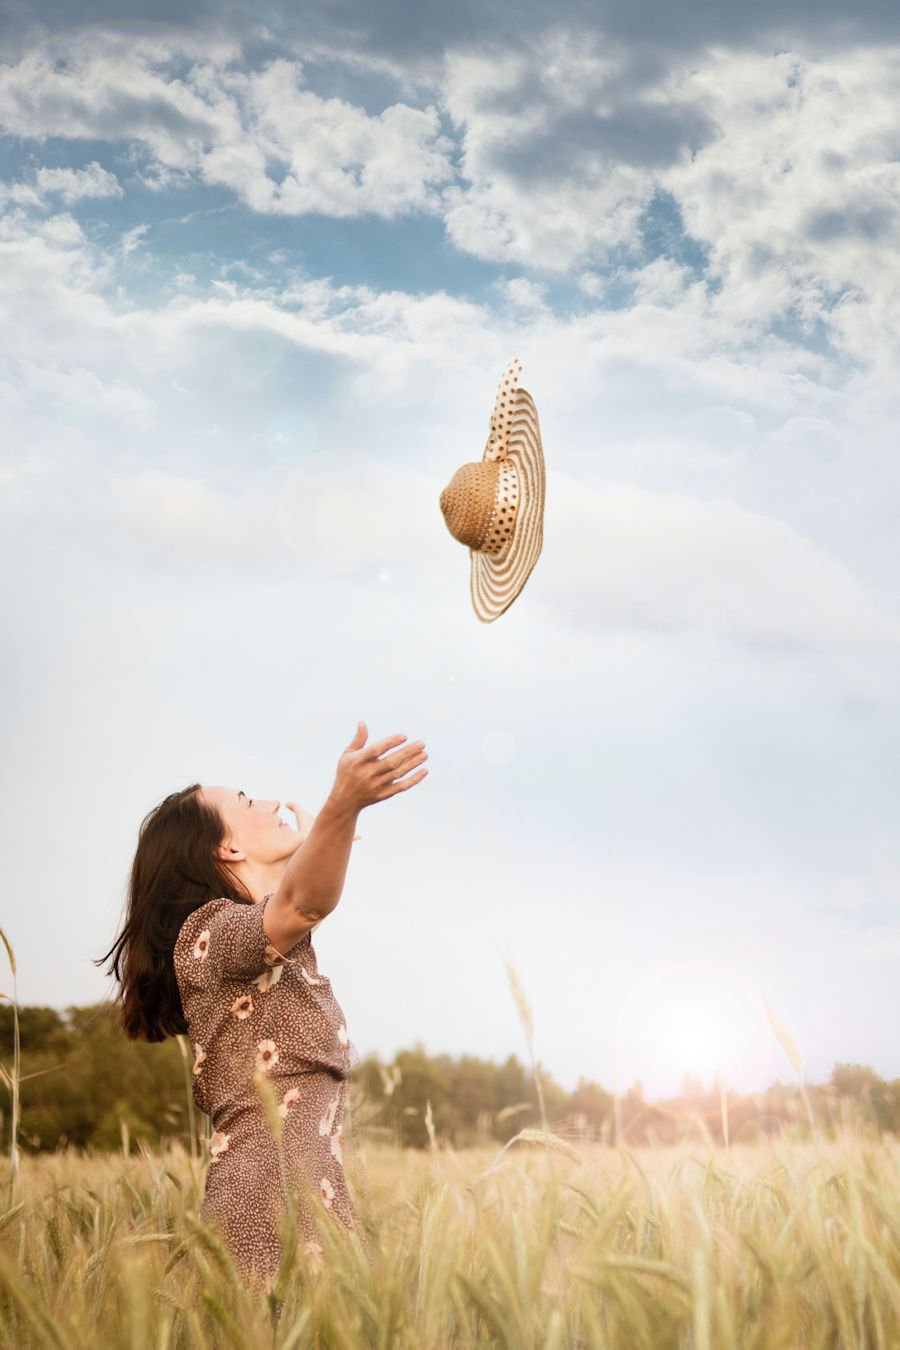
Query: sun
695,1038
694,1020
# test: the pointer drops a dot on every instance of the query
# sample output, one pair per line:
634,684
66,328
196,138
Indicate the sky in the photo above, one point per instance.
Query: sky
260,272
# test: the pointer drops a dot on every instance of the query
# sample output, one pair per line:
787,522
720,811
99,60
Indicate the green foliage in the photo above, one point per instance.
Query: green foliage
873,1101
42,1029
472,1100
82,1080
84,1084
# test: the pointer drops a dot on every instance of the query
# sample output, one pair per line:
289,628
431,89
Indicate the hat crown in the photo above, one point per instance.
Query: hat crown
469,501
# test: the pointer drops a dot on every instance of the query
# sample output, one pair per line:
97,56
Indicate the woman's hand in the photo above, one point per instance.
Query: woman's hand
304,819
314,876
371,773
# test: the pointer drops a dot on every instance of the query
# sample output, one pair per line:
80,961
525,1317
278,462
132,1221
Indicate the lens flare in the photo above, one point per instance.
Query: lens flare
341,511
695,1020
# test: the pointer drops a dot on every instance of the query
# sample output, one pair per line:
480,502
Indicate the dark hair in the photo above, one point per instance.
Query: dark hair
175,870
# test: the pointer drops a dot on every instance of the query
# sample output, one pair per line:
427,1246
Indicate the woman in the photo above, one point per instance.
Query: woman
216,942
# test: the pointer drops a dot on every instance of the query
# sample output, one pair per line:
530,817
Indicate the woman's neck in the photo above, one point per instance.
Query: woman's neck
259,879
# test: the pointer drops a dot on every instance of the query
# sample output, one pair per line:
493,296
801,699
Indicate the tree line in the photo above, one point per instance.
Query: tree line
83,1084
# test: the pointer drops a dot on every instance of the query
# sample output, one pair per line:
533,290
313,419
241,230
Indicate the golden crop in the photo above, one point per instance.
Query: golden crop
770,1246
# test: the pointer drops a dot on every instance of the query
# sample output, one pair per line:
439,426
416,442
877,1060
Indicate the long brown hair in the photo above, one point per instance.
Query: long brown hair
175,870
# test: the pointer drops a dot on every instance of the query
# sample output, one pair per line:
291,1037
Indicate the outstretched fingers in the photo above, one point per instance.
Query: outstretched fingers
378,748
371,773
395,770
403,784
401,760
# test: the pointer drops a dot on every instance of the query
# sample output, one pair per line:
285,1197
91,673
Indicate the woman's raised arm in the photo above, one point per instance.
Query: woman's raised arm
314,877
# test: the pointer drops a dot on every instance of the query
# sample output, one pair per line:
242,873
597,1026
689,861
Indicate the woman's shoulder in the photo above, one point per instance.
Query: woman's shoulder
191,932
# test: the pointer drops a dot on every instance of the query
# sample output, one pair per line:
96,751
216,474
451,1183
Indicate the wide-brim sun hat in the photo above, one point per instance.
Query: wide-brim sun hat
496,506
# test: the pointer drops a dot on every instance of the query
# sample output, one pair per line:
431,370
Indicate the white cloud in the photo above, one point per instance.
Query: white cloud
187,519
724,522
18,194
339,159
629,557
277,145
783,167
53,307
133,239
786,170
548,215
72,392
342,511
72,184
798,196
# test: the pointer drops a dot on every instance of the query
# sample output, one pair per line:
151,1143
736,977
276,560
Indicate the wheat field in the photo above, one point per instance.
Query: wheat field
773,1246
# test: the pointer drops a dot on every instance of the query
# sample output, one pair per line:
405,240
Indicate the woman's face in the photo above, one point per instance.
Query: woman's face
254,827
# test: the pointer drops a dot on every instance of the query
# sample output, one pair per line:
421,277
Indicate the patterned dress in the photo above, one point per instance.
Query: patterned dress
253,1012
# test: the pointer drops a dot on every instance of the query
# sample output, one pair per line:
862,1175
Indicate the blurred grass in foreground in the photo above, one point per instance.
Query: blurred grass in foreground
773,1245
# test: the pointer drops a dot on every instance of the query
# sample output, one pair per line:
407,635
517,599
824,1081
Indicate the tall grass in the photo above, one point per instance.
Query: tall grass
762,1247
12,1076
789,1244
796,1059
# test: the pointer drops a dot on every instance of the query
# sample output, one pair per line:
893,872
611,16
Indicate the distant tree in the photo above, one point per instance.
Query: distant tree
40,1029
81,1079
691,1086
594,1105
515,1099
368,1075
855,1080
84,1084
473,1093
421,1083
878,1101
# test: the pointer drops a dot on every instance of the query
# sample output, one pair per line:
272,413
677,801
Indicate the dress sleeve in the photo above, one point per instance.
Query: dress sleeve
227,943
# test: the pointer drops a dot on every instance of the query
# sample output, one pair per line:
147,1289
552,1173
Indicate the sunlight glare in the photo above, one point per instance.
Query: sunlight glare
695,1040
695,1020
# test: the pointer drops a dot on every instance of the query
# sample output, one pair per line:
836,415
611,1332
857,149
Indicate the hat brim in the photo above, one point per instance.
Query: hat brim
497,578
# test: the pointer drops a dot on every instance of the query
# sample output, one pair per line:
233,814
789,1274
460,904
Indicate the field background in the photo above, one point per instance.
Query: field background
84,1084
582,1219
785,1243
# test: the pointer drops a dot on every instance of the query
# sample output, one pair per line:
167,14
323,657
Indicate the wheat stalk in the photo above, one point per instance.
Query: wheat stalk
796,1059
13,1078
184,1047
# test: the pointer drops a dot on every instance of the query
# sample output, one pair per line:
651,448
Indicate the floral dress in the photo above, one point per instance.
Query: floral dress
255,1015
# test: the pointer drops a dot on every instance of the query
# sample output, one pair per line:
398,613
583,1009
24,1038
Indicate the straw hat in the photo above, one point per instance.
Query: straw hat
496,507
